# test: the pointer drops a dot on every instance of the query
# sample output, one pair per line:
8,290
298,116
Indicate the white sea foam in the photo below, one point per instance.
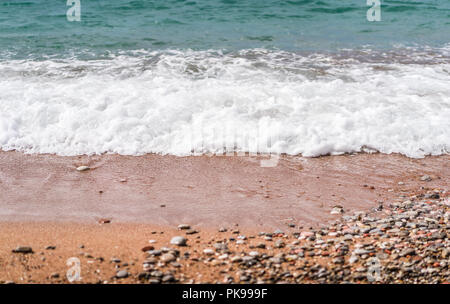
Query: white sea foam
177,102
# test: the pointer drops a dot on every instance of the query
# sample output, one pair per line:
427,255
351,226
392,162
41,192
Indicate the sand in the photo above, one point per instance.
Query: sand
45,201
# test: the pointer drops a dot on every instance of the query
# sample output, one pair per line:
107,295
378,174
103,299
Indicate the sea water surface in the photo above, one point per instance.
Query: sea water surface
298,77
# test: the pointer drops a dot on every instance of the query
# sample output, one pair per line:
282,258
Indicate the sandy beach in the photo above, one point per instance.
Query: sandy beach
122,213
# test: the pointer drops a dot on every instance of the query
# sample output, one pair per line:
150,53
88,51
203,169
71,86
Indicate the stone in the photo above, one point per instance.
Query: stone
147,248
154,252
220,246
337,210
104,221
208,251
279,244
168,278
353,259
121,274
167,258
23,249
407,251
178,240
191,231
254,254
184,227
425,178
278,232
83,168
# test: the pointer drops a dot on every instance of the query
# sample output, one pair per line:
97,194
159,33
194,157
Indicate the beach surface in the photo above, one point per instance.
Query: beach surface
205,191
107,215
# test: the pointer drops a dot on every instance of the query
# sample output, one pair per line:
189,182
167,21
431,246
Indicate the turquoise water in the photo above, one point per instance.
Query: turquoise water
39,27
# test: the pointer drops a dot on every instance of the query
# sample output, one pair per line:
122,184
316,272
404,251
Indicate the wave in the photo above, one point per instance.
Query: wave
182,102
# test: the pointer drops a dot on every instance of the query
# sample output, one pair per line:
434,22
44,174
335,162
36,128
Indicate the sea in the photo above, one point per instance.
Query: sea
183,77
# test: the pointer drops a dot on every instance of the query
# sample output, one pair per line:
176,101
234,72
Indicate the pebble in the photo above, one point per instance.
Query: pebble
121,274
353,259
178,240
147,248
208,251
191,231
23,249
167,258
54,275
82,168
168,278
184,227
407,251
254,254
337,210
425,178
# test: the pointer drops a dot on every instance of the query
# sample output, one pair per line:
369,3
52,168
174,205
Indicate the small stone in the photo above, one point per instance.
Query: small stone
236,259
261,245
83,168
178,240
104,221
221,246
54,275
50,247
223,229
337,210
23,249
279,244
121,274
191,231
147,248
154,252
407,251
353,259
167,258
168,278
278,232
143,276
156,274
208,251
426,178
184,227
223,256
254,254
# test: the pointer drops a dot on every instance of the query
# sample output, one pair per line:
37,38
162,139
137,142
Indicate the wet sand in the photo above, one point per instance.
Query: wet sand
205,191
